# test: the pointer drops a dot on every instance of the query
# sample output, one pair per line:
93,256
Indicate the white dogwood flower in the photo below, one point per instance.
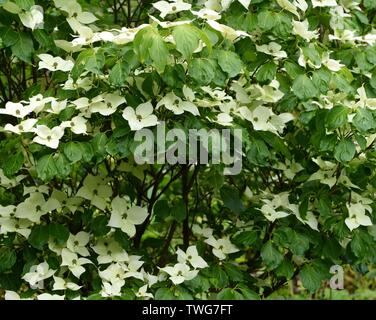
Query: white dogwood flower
21,226
221,247
142,293
324,3
331,64
96,190
191,256
175,104
207,14
77,124
357,215
48,296
73,262
38,273
141,117
109,104
36,206
33,18
109,251
24,126
173,7
77,243
125,217
54,63
300,28
16,109
62,284
74,10
179,273
48,137
273,49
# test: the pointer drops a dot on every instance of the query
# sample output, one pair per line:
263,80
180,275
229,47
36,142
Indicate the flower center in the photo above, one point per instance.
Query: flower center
48,138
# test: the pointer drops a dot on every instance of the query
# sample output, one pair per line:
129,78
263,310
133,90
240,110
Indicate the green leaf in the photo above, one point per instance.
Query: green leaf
231,198
230,62
9,36
58,233
8,259
364,120
73,151
46,167
258,153
226,294
336,117
246,238
164,294
23,48
202,71
266,73
370,4
266,20
271,256
311,277
304,88
275,142
344,150
285,269
119,74
293,69
25,4
39,236
63,166
99,226
148,44
44,39
13,164
186,39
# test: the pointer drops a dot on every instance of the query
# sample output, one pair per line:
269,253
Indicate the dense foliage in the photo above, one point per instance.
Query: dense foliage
79,218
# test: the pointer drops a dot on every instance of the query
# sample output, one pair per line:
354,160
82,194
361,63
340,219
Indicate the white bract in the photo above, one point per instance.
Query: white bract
54,63
33,18
126,217
221,247
48,137
172,7
38,273
141,117
179,273
73,262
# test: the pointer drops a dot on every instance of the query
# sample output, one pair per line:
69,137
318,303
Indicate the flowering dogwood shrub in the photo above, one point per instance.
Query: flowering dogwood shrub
80,218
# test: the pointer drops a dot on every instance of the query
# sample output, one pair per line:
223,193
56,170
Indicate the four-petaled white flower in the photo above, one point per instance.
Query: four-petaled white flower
62,284
173,7
175,104
142,293
125,217
54,63
16,109
73,262
38,273
33,18
357,215
141,117
109,251
179,273
36,206
96,190
221,247
24,126
48,137
273,49
300,28
109,104
77,124
191,256
77,243
324,3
